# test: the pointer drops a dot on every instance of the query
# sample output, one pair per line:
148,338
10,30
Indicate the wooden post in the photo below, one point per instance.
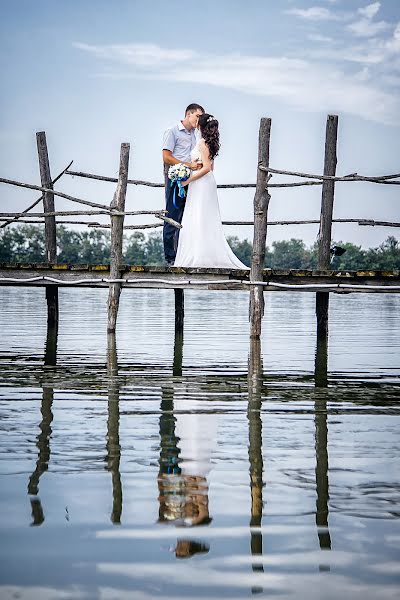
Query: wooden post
179,309
50,354
325,227
321,361
261,201
49,225
178,353
117,231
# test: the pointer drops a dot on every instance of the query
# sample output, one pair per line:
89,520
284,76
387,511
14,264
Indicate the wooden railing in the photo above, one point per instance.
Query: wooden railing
116,212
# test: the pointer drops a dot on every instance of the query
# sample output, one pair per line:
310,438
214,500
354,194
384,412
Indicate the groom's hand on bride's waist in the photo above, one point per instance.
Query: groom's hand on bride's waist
195,165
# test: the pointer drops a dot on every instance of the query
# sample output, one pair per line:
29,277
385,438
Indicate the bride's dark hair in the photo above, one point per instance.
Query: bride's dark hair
209,130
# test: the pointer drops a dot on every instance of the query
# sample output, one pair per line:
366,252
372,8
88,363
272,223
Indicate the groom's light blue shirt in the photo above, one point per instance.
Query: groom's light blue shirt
180,141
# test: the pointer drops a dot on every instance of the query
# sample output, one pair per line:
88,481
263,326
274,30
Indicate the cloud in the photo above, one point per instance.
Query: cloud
315,13
300,83
370,11
365,27
143,55
316,37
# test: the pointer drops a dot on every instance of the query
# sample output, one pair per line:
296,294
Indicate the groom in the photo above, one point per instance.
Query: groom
178,143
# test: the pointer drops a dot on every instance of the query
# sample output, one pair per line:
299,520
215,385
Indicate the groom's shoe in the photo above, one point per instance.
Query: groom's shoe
169,262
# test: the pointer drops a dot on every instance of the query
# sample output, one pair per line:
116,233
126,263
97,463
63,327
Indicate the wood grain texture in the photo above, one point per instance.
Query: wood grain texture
117,231
261,201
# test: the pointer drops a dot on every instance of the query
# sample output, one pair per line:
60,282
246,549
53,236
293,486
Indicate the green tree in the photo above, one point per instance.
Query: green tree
354,258
154,254
288,254
26,244
96,246
7,254
68,246
242,249
386,256
135,251
91,247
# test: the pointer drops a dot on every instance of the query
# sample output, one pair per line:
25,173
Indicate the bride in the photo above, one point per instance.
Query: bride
202,241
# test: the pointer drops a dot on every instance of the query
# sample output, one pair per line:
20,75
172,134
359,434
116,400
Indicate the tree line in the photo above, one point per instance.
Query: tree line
26,244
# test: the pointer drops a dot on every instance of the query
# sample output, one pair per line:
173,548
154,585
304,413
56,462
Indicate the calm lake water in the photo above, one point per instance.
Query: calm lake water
138,467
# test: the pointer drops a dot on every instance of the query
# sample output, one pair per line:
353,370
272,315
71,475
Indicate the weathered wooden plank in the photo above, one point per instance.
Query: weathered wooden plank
27,210
207,272
305,283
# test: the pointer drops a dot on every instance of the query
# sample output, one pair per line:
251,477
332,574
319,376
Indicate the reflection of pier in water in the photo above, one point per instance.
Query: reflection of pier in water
113,446
183,498
321,440
255,381
183,492
43,439
255,398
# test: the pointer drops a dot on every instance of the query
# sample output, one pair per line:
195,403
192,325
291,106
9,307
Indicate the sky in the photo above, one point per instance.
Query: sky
93,74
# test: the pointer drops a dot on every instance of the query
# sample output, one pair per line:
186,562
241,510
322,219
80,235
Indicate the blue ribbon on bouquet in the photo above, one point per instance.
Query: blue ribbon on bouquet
181,192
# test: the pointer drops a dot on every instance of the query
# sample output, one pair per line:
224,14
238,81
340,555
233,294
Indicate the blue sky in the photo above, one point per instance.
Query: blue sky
95,73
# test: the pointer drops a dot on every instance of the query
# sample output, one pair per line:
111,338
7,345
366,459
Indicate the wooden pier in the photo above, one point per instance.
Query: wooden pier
47,275
257,280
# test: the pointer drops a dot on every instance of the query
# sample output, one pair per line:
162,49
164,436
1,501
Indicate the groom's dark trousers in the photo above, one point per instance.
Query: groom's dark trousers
175,207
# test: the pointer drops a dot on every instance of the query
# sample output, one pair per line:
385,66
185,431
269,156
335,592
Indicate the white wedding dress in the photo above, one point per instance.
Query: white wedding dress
202,241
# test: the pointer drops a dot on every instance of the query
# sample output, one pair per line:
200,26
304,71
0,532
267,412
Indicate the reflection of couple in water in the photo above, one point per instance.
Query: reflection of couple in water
187,441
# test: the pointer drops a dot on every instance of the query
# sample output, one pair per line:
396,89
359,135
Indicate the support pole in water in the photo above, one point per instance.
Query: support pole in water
117,232
179,310
49,225
325,228
261,201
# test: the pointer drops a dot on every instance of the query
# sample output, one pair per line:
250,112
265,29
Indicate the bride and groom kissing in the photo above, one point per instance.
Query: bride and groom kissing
201,242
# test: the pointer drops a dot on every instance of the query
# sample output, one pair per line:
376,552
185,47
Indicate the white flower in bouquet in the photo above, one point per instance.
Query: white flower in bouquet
179,172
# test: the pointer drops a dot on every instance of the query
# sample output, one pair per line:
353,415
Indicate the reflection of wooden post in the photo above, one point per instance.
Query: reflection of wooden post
261,201
255,451
325,228
117,231
169,483
321,476
49,224
43,446
113,446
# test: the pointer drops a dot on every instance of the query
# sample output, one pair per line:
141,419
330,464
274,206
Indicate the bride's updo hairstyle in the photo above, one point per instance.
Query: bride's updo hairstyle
209,130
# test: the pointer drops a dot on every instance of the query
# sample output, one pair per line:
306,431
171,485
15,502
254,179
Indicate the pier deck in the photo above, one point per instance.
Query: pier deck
133,276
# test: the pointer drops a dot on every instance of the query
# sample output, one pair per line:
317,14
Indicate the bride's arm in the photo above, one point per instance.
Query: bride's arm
207,164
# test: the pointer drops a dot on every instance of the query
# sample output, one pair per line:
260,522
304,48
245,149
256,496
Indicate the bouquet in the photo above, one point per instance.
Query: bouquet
178,173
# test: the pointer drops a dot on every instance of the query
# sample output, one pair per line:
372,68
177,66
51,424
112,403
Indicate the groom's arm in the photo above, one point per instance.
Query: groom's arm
169,158
168,148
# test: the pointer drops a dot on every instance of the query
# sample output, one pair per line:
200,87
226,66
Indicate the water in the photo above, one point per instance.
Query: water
140,468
